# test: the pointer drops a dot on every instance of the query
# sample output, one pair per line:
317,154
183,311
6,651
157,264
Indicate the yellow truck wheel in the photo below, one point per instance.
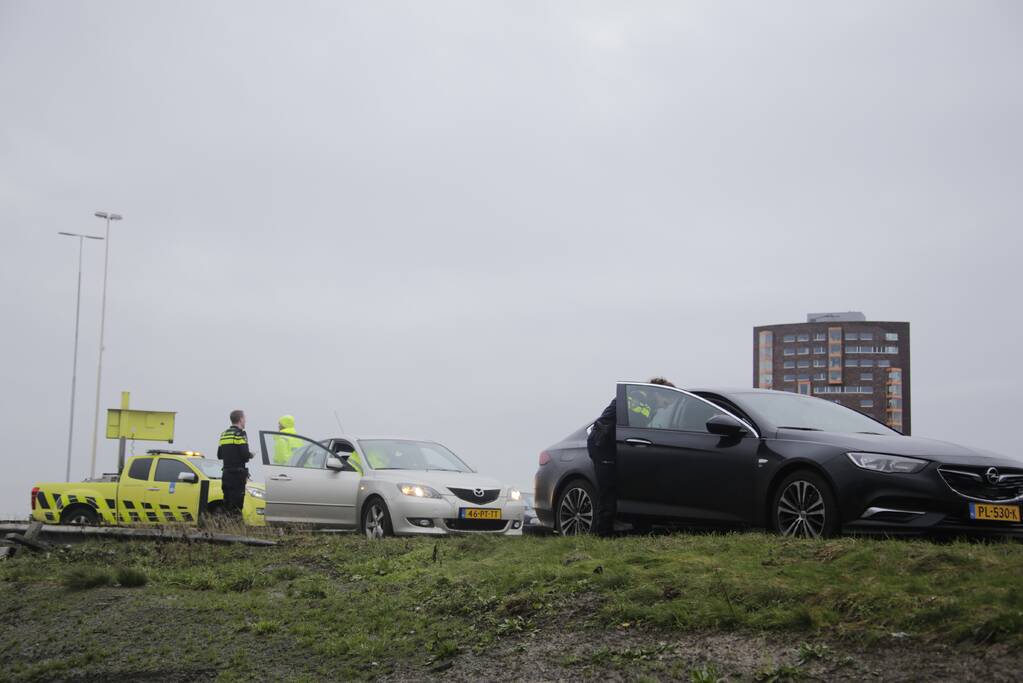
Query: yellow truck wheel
79,514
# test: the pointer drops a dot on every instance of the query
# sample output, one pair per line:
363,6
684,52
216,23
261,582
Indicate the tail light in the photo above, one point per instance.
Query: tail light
35,493
545,457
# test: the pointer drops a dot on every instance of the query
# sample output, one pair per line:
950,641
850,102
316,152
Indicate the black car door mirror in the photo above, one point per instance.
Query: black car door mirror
725,425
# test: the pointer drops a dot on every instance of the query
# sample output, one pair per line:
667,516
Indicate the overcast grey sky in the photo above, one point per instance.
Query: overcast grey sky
466,220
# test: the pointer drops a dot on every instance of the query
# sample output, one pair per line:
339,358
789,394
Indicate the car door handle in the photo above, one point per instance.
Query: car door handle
157,488
281,477
639,442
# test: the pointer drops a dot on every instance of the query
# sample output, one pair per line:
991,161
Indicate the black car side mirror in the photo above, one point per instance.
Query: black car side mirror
726,425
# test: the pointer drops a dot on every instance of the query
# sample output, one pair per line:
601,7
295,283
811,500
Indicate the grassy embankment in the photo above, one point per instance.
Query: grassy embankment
340,607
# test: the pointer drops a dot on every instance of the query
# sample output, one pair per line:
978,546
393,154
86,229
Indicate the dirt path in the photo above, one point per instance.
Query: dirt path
704,658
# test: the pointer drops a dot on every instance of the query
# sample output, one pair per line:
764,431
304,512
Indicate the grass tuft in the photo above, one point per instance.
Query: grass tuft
85,578
129,577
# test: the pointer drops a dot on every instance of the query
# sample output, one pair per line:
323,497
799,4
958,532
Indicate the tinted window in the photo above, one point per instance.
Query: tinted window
804,412
140,469
168,470
652,407
695,414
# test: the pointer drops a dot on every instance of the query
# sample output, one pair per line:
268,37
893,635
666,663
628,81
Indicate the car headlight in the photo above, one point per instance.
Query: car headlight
418,491
514,494
255,492
878,462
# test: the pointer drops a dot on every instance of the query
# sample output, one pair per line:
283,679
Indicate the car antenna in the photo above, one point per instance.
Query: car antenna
339,422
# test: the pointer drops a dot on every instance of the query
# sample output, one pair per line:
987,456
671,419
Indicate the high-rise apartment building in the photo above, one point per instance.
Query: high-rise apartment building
843,357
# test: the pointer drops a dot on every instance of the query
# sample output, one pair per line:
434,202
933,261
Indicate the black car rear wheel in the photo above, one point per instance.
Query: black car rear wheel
804,507
575,509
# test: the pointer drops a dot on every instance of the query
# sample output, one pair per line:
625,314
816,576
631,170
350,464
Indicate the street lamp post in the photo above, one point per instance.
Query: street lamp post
102,323
74,362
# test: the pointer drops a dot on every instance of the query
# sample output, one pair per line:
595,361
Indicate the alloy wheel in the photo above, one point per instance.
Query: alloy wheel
375,521
576,512
801,511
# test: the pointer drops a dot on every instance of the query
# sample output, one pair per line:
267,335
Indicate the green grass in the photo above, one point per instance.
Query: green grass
342,607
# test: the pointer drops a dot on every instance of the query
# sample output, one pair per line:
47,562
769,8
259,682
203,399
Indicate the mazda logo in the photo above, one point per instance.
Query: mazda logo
479,492
992,475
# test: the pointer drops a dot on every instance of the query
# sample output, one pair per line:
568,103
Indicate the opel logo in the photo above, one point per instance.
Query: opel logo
992,475
479,492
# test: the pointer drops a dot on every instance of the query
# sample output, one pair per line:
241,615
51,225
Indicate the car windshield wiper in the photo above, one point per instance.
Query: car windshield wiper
804,429
874,433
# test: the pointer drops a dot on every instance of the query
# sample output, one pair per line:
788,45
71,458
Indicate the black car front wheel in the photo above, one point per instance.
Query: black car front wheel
575,509
804,507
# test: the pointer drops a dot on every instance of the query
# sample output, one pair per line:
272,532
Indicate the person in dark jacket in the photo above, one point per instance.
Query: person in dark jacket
234,451
602,444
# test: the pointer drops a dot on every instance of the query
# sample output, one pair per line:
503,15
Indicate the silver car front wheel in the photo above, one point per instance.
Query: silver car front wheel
376,522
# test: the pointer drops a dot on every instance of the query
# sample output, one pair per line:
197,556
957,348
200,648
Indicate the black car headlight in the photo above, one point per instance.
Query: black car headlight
879,462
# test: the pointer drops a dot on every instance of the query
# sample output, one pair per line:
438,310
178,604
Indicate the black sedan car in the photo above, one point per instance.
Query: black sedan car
799,465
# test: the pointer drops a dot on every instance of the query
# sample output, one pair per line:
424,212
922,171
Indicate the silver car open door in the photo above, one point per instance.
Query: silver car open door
306,483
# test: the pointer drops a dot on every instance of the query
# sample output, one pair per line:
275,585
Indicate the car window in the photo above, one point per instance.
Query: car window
315,458
312,456
694,415
653,407
140,469
168,469
342,447
401,454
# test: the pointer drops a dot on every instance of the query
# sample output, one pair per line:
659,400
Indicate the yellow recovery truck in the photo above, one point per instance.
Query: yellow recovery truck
160,487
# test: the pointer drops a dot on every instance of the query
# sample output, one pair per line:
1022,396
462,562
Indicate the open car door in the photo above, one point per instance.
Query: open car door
306,483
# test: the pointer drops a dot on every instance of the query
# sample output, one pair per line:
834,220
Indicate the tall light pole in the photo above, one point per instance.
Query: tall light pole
74,362
102,323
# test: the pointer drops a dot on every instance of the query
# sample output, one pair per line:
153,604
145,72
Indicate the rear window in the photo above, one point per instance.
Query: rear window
140,469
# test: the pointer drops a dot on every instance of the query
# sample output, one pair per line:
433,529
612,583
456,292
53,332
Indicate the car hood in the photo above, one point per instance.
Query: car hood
442,481
913,446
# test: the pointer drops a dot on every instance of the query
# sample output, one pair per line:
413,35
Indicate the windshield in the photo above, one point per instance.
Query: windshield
211,468
394,454
805,412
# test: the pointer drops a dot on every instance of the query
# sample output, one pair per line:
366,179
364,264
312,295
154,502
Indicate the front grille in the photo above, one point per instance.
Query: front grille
476,524
469,495
975,483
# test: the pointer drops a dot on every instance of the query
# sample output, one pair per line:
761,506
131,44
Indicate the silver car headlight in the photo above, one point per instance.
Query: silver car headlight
255,492
514,494
418,491
879,462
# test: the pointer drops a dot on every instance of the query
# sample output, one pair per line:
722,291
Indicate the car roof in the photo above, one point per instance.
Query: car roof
724,391
363,437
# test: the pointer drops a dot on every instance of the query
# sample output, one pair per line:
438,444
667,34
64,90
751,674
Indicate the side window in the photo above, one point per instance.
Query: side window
652,407
168,469
695,415
140,469
315,458
292,450
342,447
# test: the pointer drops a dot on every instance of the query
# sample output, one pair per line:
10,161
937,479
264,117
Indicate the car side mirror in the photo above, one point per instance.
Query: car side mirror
335,463
188,477
726,425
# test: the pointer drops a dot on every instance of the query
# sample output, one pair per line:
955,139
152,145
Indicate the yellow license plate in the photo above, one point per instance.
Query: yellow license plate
994,513
480,513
